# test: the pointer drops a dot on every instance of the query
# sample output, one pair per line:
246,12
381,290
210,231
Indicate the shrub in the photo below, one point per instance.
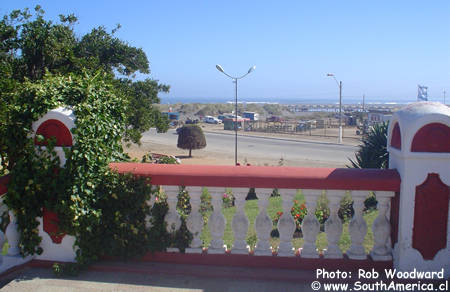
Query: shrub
148,158
275,193
205,204
251,194
299,211
373,152
191,137
228,199
167,160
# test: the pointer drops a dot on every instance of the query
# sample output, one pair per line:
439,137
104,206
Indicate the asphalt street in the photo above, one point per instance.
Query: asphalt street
252,148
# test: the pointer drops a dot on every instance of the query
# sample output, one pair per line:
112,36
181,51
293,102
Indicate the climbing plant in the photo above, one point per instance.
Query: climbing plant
45,65
105,211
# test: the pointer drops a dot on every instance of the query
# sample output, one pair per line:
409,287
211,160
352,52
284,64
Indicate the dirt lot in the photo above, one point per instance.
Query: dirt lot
206,157
328,135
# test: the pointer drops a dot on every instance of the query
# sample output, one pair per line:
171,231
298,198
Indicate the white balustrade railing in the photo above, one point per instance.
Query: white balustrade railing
263,225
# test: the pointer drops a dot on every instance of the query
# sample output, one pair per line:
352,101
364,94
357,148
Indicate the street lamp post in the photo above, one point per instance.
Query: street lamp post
235,81
340,106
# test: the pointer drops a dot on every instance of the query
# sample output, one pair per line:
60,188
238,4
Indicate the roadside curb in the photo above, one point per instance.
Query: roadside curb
282,139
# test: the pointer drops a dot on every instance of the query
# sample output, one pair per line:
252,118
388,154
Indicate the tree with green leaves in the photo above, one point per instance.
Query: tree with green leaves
372,153
191,137
43,65
32,47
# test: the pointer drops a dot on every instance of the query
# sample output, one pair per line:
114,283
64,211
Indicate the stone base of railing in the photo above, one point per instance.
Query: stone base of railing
9,262
272,261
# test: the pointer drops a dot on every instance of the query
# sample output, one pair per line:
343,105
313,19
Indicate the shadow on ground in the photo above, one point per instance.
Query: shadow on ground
151,277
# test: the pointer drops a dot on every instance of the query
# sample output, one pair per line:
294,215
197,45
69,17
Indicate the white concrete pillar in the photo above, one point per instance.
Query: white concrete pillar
419,149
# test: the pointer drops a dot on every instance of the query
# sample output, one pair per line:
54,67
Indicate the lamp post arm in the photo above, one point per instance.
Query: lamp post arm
236,78
228,75
242,75
337,82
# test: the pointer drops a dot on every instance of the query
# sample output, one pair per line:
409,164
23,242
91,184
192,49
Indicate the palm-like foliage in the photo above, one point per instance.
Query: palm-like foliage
373,152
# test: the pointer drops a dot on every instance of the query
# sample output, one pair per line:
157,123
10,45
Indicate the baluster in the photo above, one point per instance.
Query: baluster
381,229
194,222
240,222
333,225
12,235
216,222
310,225
148,218
357,227
286,224
172,217
263,223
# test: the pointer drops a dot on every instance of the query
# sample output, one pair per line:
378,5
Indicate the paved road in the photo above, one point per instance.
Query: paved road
253,148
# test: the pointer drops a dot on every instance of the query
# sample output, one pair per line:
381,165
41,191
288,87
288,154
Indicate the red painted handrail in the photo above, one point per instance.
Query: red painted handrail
265,176
4,180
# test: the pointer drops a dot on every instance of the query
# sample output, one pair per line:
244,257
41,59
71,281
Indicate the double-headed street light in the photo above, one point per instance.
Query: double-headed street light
340,105
235,80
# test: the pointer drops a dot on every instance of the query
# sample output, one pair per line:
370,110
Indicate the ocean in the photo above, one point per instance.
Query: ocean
274,100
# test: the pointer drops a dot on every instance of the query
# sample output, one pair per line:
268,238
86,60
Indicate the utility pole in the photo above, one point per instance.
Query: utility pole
364,98
340,113
340,106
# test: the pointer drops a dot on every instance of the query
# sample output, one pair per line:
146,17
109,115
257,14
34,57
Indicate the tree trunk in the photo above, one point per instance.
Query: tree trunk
190,152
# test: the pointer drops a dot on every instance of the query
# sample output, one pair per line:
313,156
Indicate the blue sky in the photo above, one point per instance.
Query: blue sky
379,48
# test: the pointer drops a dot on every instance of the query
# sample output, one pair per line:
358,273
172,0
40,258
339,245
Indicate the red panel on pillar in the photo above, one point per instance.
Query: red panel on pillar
396,138
51,221
4,180
395,207
430,216
54,128
434,137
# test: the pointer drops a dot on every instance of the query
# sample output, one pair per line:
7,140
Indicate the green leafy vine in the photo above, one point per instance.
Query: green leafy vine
105,211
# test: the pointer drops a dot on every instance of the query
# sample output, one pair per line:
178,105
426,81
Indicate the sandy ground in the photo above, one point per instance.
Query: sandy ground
205,157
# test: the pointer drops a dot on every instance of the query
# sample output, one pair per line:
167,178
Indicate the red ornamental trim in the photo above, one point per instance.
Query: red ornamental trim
54,128
430,216
51,221
396,138
395,203
434,137
4,180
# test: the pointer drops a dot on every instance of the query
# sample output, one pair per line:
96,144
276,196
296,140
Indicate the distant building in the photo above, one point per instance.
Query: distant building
228,124
377,116
251,115
173,116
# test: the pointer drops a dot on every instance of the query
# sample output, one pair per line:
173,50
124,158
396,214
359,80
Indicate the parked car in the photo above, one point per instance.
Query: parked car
227,116
212,120
274,119
191,121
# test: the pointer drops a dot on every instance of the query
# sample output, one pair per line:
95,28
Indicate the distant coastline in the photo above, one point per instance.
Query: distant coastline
174,100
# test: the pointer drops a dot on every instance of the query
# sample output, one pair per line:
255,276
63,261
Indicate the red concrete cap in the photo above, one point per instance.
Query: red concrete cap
265,176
